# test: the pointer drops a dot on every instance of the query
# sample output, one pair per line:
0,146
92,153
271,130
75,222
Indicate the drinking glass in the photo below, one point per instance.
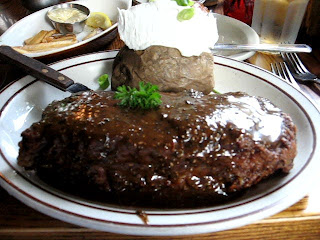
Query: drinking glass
278,21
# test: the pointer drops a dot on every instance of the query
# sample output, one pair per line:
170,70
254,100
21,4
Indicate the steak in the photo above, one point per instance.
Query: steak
194,150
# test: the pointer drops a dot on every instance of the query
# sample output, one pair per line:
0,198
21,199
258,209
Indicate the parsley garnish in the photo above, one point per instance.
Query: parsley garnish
147,97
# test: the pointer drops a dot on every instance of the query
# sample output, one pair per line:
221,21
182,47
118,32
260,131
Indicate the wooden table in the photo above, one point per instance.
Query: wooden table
17,221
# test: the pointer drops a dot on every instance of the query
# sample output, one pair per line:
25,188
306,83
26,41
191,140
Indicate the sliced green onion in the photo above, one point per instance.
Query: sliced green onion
183,2
215,91
104,81
185,14
191,3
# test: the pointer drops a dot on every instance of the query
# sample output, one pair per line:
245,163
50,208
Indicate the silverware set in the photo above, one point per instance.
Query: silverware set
300,72
292,70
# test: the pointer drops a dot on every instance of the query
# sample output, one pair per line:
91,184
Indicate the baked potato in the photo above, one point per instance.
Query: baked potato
165,67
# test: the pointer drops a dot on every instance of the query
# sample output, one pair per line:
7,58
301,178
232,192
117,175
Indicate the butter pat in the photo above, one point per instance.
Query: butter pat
67,15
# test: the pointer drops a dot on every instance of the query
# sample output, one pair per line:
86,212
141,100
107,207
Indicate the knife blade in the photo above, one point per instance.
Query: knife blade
263,47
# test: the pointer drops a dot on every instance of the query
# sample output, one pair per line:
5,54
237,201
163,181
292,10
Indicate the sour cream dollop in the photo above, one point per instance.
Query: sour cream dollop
156,23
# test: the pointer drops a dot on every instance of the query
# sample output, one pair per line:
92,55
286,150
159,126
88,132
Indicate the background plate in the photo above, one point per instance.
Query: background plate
234,31
33,23
22,102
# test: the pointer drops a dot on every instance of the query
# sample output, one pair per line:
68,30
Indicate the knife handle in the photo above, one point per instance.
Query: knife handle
35,68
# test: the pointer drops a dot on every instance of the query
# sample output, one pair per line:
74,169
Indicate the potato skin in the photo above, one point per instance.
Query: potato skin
165,67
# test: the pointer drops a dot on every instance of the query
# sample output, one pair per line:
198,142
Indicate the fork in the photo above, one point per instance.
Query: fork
301,73
281,69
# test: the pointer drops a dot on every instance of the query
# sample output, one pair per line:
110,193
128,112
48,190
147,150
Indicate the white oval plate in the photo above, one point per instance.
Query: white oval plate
22,102
33,23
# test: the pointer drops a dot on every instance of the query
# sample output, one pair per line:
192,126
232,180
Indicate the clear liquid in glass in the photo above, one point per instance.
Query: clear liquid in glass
278,21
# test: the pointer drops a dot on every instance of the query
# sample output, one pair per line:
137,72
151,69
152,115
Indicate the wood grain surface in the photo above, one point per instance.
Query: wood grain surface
300,221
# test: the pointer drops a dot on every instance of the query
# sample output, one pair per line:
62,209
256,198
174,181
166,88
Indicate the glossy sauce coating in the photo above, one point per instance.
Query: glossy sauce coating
193,148
260,119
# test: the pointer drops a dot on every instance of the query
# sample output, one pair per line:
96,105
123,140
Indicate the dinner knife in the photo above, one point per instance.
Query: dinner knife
263,47
40,71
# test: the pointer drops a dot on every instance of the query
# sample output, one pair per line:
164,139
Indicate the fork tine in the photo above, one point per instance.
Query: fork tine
288,74
280,72
291,61
273,69
295,55
296,64
276,70
283,72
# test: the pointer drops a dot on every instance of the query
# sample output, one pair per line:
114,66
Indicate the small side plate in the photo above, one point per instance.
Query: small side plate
37,21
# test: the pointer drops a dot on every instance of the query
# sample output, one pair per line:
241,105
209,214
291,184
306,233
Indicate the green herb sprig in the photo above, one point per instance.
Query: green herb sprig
147,97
